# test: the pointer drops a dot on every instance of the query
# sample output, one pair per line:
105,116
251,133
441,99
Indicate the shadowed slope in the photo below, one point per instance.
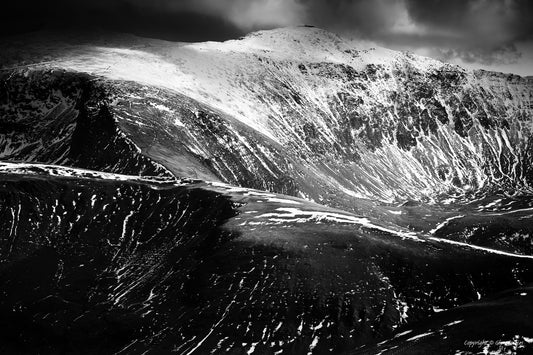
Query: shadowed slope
147,264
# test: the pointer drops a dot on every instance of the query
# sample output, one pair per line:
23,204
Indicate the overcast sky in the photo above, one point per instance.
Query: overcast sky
493,34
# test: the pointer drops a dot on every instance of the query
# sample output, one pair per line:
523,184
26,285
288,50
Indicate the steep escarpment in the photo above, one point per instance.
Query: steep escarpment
196,141
303,111
63,118
74,119
406,127
366,122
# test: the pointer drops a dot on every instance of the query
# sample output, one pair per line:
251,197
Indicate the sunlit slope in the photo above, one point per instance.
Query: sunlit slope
303,104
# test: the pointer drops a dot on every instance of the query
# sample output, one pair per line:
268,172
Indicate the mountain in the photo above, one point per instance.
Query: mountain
301,107
288,192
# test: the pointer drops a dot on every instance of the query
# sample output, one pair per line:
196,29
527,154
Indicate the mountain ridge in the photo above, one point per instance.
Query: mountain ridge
404,109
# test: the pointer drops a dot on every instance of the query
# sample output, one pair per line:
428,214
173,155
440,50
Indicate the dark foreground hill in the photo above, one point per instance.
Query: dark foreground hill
112,263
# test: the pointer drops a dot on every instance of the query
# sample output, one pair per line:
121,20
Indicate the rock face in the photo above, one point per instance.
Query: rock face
298,111
196,229
62,118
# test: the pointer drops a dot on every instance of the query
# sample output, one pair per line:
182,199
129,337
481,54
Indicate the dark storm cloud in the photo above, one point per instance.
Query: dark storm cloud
489,20
369,18
484,31
475,30
149,19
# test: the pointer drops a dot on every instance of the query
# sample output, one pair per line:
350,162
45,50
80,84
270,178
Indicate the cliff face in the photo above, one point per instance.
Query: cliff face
62,118
296,111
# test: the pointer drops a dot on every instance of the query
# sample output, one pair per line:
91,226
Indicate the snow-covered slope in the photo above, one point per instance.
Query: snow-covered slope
370,123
